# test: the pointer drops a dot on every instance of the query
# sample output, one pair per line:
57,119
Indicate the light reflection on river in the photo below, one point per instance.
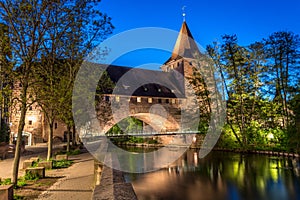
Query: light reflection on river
221,176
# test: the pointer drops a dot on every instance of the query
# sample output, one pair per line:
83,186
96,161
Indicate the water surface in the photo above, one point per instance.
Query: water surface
221,176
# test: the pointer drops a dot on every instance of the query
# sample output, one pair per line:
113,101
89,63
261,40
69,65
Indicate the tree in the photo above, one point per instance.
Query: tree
282,50
5,82
38,30
240,68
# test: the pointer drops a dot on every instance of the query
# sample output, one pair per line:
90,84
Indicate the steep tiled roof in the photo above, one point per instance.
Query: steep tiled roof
185,45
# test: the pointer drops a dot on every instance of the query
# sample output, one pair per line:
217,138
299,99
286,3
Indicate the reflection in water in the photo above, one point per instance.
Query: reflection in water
221,176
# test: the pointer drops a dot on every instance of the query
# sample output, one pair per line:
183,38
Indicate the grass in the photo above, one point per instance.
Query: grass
70,153
6,181
18,197
58,164
30,176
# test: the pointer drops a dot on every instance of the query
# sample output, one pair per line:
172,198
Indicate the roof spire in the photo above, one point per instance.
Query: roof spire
183,12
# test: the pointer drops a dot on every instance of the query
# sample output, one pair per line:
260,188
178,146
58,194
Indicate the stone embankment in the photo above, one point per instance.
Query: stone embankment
110,184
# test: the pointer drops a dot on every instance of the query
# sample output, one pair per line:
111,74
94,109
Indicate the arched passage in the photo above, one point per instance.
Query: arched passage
157,122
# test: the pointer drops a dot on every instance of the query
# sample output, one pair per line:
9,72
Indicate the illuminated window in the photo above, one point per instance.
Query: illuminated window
149,100
117,98
173,101
139,99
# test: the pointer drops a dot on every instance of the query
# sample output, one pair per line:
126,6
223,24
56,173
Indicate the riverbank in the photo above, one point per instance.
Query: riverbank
262,152
111,184
235,150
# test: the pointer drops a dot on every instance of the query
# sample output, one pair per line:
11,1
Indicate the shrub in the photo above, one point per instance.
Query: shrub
74,152
31,176
57,164
6,181
21,183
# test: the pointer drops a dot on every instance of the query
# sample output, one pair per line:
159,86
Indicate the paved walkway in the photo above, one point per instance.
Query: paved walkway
77,183
6,165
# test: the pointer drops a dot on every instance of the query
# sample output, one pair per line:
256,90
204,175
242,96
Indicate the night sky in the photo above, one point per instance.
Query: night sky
207,20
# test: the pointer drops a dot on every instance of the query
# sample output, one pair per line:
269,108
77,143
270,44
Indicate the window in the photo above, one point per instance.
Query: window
149,100
173,101
159,101
139,99
30,108
167,101
55,125
117,98
30,122
106,98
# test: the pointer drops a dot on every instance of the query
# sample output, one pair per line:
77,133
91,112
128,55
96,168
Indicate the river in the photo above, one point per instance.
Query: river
221,175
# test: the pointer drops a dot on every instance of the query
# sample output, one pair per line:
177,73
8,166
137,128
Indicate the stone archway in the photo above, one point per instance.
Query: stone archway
29,138
157,122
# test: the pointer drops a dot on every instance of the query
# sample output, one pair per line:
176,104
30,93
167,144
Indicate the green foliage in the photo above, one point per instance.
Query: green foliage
31,176
17,197
227,139
153,141
58,164
133,139
6,181
21,183
74,152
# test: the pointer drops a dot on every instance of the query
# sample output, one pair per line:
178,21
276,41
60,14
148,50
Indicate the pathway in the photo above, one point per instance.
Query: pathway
6,165
77,183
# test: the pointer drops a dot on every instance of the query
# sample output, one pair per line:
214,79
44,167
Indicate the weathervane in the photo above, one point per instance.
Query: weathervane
183,13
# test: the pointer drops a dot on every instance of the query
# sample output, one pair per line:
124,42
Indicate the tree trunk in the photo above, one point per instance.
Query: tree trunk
68,138
50,140
19,139
74,141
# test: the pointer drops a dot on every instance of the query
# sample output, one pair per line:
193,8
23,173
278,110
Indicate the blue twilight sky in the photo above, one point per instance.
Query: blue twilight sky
208,20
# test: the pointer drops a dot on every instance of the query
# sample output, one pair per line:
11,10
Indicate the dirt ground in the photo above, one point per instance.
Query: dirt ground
34,188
